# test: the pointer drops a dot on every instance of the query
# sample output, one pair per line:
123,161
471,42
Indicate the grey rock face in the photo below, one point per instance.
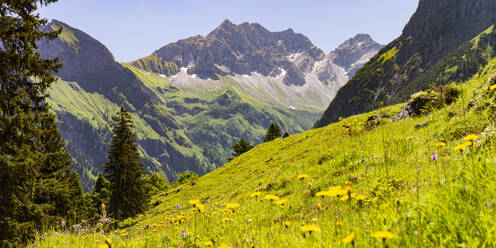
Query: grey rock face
355,52
248,47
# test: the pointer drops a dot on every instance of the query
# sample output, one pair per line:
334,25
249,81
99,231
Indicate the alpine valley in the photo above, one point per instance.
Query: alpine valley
192,99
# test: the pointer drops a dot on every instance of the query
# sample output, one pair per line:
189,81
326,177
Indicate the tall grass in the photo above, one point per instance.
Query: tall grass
421,199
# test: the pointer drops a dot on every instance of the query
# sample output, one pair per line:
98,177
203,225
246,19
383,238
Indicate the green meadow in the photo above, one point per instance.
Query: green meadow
398,184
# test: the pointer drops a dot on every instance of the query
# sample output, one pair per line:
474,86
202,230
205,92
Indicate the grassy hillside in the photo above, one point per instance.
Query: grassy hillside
399,186
177,128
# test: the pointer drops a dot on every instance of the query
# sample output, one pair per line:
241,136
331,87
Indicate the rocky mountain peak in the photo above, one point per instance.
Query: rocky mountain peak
355,52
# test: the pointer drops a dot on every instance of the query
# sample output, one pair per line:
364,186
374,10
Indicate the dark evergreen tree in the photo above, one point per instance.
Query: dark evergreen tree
37,185
239,148
101,195
273,132
123,170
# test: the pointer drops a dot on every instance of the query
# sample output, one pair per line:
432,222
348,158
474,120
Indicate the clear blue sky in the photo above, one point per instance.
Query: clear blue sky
135,28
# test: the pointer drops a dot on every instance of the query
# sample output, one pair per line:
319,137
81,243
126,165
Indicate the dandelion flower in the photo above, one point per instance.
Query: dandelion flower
460,148
310,228
193,202
336,191
360,197
232,206
322,193
350,238
440,144
225,219
339,223
281,202
383,235
493,87
272,197
287,224
302,176
310,184
108,242
200,207
256,194
180,218
208,243
471,138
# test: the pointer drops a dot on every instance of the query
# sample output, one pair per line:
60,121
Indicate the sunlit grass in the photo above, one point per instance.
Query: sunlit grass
343,185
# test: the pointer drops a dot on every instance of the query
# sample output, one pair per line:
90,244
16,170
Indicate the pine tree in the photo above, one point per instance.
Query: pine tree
101,195
123,170
273,132
239,148
37,185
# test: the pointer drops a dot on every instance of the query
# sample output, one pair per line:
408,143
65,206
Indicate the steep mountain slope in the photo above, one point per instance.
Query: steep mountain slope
183,121
281,63
93,85
434,31
394,185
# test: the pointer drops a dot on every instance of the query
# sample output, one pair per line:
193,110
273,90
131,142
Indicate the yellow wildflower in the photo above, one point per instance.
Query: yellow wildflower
310,228
281,202
180,218
200,207
302,176
272,197
208,243
336,191
322,193
339,223
224,246
460,148
287,223
256,194
440,144
310,184
350,238
193,202
360,197
108,242
225,219
471,138
493,87
383,235
232,206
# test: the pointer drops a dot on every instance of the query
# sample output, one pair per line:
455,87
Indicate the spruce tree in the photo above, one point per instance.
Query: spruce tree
37,185
239,148
123,170
273,132
101,195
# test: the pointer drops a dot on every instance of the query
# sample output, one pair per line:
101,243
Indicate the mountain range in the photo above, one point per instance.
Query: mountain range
192,99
